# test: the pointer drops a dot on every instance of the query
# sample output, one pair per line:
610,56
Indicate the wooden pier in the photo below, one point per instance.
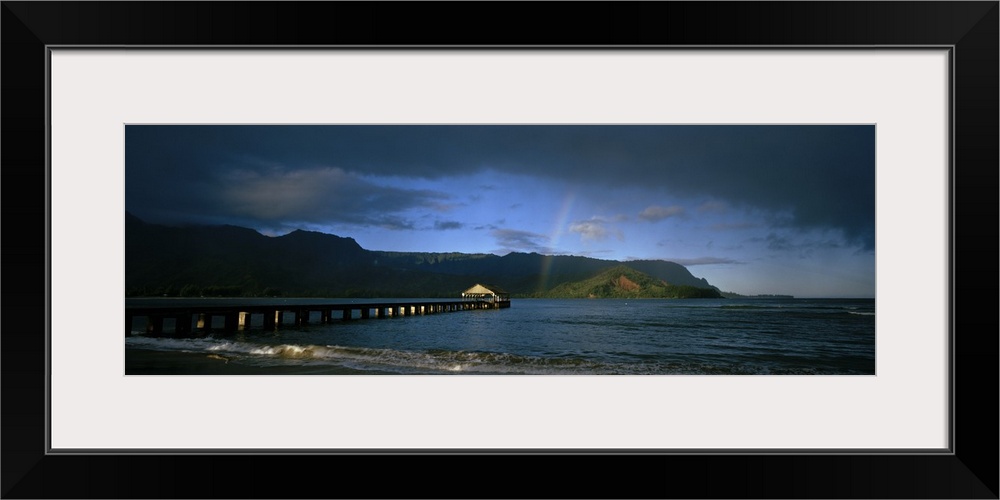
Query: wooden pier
190,320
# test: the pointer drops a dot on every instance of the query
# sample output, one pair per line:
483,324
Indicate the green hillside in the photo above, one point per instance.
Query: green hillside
623,282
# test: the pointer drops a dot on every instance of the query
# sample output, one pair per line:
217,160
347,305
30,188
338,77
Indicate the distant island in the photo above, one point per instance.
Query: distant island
230,261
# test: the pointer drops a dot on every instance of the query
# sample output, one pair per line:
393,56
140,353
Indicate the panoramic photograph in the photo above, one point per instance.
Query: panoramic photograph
499,250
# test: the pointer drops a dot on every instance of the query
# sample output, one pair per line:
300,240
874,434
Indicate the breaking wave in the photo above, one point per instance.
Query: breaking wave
436,361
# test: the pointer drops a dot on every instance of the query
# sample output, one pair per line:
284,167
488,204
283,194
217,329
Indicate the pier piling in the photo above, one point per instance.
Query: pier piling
187,318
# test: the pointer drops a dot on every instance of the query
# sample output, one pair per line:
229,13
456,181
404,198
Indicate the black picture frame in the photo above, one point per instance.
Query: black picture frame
970,29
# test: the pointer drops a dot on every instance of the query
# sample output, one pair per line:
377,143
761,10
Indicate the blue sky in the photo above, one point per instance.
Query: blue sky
751,208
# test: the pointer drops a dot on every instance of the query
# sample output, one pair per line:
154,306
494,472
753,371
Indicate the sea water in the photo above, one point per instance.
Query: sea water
547,337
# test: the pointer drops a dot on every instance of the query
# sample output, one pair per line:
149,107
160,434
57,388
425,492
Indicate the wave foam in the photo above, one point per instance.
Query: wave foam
438,361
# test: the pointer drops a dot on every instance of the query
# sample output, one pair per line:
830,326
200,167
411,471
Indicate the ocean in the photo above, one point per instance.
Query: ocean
534,337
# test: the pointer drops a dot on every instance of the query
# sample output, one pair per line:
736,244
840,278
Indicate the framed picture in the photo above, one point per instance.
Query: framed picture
96,87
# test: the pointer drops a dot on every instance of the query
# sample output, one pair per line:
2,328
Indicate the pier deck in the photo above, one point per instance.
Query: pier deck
191,319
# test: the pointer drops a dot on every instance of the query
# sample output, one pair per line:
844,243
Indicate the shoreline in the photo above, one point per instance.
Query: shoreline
152,362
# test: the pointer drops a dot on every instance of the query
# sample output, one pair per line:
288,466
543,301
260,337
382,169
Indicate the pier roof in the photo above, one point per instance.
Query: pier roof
480,289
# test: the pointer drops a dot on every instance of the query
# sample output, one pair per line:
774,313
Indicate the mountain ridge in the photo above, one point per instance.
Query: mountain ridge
203,260
625,282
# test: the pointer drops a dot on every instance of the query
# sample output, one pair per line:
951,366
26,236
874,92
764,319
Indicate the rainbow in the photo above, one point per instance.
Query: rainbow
557,231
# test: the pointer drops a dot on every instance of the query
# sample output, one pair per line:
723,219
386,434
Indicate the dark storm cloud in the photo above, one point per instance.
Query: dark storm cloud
187,179
779,243
824,176
805,247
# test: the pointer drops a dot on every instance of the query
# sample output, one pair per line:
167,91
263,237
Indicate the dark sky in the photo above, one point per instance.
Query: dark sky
757,209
